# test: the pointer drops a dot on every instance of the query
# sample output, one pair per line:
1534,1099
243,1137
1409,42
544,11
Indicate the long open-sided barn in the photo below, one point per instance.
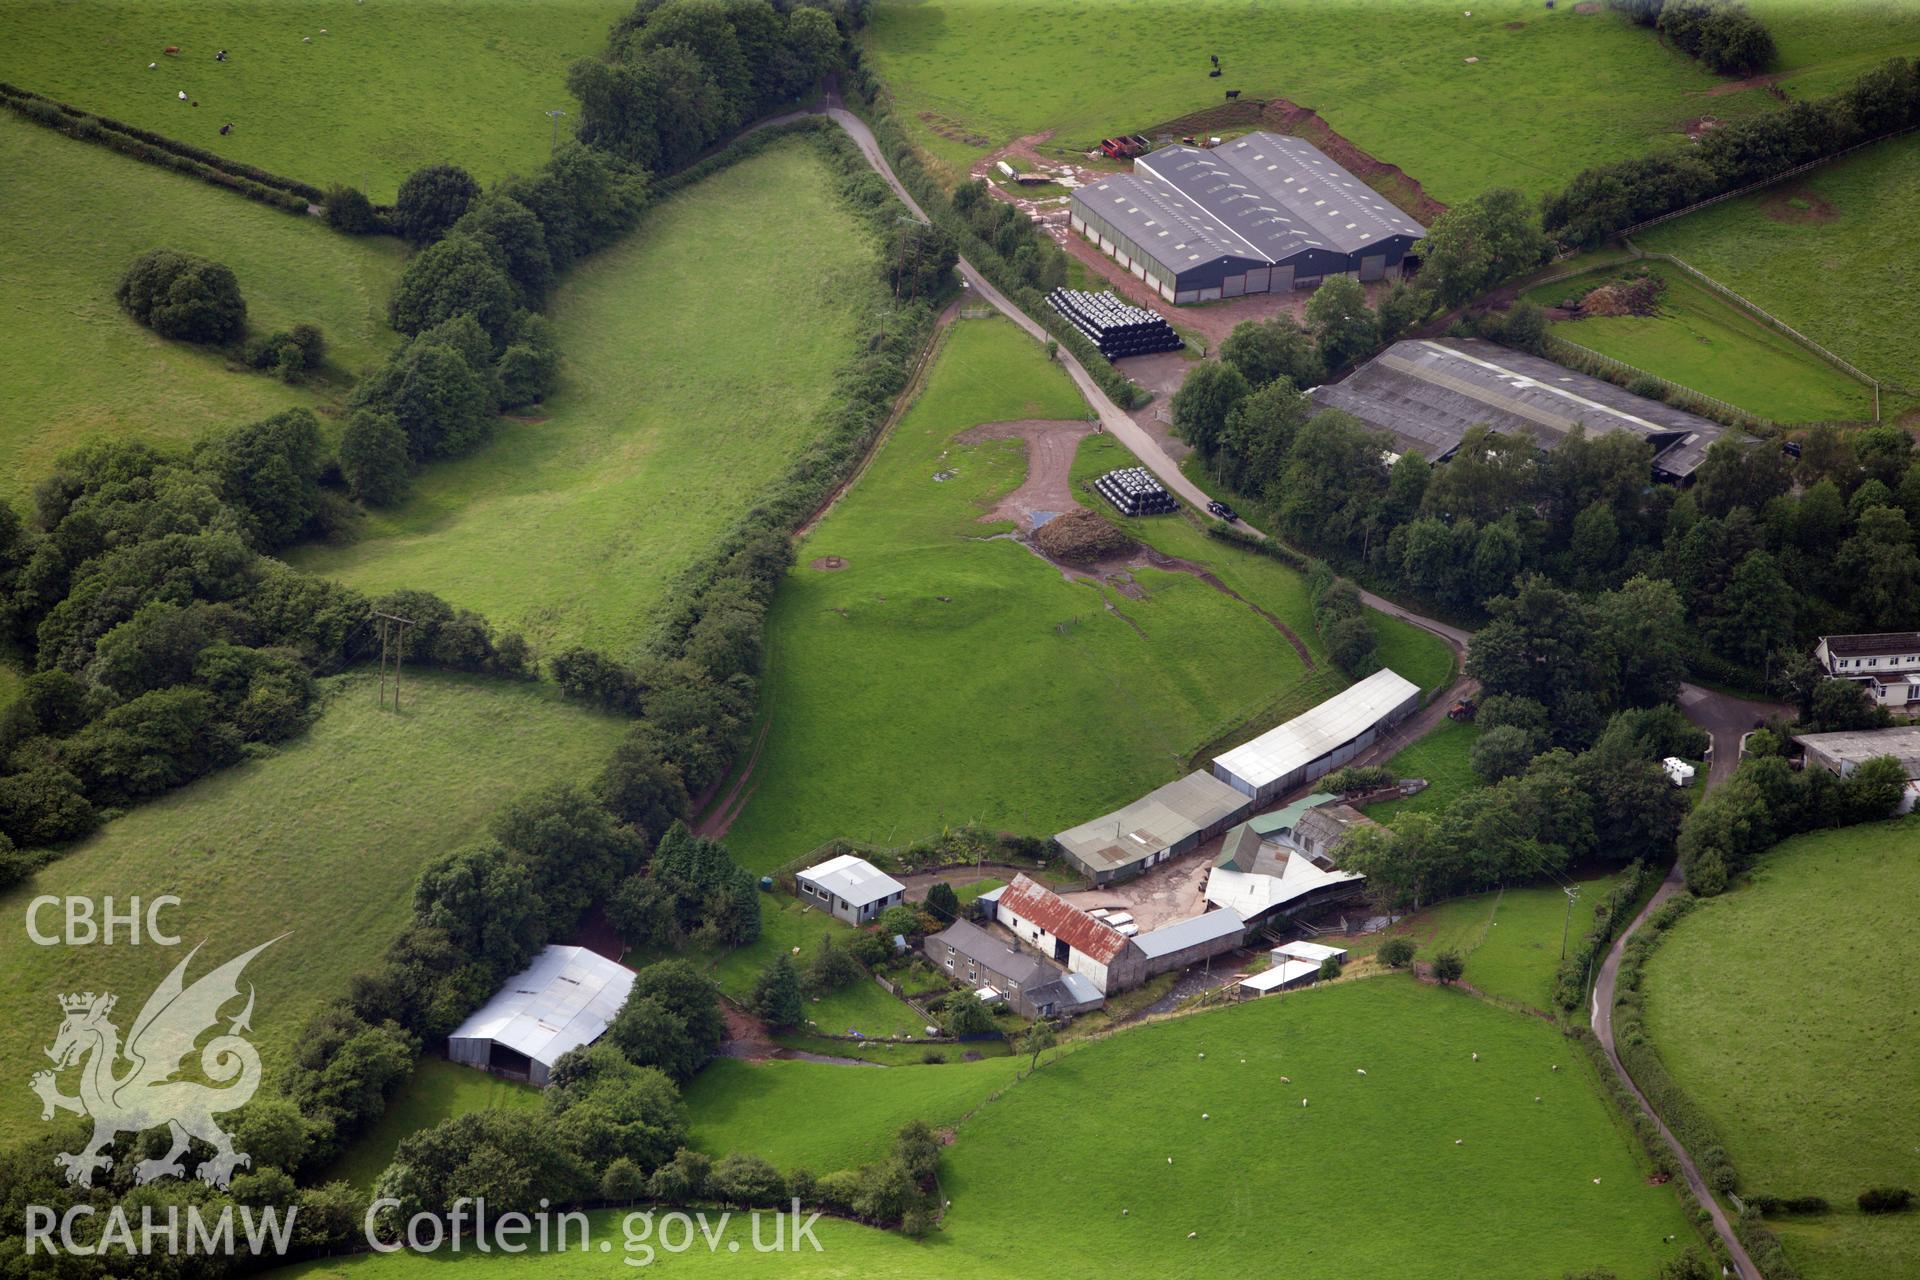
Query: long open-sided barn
1262,213
1428,393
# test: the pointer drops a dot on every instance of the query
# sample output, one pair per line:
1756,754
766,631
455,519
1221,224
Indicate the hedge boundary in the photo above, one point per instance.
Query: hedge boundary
287,194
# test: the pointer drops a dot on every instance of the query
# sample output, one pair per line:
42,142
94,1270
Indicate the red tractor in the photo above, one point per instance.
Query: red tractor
1461,710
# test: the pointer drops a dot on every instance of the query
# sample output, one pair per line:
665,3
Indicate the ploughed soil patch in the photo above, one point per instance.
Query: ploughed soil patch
1082,537
827,563
1741,86
1282,116
1798,204
1048,488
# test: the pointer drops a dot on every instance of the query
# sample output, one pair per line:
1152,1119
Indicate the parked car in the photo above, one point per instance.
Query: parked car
1224,511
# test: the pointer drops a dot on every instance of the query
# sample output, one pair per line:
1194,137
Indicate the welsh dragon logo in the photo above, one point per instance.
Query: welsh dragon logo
145,1094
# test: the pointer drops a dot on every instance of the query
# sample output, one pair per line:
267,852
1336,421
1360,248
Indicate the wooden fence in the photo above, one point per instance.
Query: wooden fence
1685,397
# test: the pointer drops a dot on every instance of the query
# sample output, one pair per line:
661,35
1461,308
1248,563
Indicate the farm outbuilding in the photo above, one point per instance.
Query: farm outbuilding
1428,393
1069,936
1190,941
1264,213
1319,741
1034,988
1163,824
566,998
850,888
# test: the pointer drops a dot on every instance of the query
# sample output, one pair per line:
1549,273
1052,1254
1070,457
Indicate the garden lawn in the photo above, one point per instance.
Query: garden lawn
821,1116
1834,254
389,86
1553,91
1046,1170
72,216
1444,758
1700,340
437,1090
321,840
696,363
1787,1009
947,674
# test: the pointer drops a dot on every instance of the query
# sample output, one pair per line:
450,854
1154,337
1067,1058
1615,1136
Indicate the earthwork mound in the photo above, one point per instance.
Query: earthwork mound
1798,204
1081,537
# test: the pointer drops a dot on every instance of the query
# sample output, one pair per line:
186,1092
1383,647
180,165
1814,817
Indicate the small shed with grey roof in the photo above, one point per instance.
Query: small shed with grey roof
1844,751
1164,823
1428,393
1262,213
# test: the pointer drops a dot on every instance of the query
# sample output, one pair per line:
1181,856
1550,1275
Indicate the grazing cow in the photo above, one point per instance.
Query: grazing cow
1232,94
226,129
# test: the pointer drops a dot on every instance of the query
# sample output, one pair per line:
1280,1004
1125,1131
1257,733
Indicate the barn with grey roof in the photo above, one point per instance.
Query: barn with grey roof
1262,213
1428,393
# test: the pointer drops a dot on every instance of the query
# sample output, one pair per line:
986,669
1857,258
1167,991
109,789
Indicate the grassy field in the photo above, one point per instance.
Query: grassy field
72,217
1701,341
1047,1169
437,1090
1824,254
1787,1009
823,1117
1552,92
946,675
322,839
389,86
696,361
1442,757
1383,1144
1824,44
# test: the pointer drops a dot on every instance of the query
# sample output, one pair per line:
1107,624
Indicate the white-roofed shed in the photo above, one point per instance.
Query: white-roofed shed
1319,741
564,999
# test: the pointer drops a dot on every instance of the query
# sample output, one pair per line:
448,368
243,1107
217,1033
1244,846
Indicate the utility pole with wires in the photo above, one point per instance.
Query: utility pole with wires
1572,891
393,641
554,115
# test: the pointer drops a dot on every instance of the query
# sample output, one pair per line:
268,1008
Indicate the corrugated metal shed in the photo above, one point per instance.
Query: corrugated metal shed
564,999
1208,926
1428,393
1174,816
1279,756
1041,906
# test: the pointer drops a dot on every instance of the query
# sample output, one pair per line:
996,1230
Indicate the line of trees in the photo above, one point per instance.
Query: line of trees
1606,198
1721,33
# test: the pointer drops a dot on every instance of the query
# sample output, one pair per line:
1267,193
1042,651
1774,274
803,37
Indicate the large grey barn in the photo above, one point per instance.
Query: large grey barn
1259,214
1429,393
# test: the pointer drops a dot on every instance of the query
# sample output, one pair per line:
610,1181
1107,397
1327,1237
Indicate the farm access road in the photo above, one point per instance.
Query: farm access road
1703,706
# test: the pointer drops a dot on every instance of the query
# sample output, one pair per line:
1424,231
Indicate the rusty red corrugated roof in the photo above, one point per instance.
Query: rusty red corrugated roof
1062,919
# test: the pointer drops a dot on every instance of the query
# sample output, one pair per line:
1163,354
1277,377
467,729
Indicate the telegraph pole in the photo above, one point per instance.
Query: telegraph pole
554,115
393,641
1572,891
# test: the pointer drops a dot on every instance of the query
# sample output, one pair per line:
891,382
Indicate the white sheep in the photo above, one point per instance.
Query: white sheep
1556,1066
183,95
1123,1213
1360,1071
152,66
1193,1235
1203,1055
1303,1102
1286,1080
1205,1116
1476,1057
1459,1142
1596,1182
1169,1159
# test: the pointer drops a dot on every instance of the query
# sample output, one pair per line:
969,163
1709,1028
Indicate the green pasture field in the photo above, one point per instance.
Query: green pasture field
1787,1009
321,840
1553,92
72,216
1825,254
824,1116
1443,758
1106,1119
390,86
1824,45
1046,1170
696,362
437,1090
1702,341
1510,939
948,674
